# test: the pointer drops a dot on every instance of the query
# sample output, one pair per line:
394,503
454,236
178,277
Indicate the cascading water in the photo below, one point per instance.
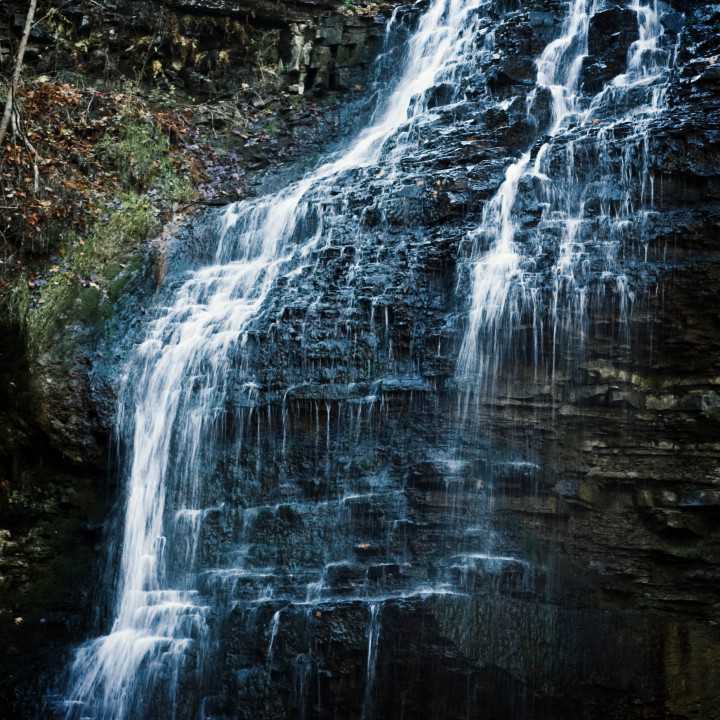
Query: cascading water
211,549
510,268
172,401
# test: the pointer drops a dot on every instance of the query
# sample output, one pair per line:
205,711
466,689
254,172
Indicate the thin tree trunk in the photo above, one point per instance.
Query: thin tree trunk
18,69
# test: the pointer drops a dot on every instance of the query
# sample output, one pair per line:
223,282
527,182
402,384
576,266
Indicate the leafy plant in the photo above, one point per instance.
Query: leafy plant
141,154
77,291
176,189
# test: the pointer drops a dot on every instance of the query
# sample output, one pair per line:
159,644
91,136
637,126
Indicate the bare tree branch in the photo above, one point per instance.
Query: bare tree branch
12,90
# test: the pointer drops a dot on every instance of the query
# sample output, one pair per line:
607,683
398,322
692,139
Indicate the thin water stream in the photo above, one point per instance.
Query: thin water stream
506,281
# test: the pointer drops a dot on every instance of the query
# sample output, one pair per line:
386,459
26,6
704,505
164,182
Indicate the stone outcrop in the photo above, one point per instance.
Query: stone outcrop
209,48
52,516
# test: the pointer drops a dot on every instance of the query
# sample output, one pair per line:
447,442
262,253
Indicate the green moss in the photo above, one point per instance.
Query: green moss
272,128
95,271
15,303
176,189
122,230
141,155
81,290
121,276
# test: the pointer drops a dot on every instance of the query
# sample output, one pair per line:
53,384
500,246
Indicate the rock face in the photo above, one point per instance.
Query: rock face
310,46
52,513
376,536
208,47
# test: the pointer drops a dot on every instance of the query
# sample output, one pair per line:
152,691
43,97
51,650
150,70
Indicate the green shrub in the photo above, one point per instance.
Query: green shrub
80,293
120,232
176,189
81,289
141,154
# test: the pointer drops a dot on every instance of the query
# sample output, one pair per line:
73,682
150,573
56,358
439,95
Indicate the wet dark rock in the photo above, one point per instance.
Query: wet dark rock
610,35
541,108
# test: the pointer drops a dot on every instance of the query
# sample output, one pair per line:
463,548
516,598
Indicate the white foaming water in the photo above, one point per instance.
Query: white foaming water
494,274
643,64
497,275
508,281
274,628
560,63
172,403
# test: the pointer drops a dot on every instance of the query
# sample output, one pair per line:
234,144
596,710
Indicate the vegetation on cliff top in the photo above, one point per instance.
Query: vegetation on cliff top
111,170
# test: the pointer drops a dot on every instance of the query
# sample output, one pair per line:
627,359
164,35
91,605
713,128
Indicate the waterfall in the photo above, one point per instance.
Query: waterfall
533,277
508,271
172,401
497,274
